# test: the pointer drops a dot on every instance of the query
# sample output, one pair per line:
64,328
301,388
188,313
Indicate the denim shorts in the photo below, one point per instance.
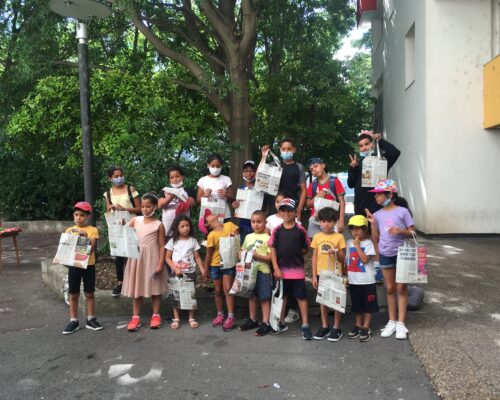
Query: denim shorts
387,262
217,273
262,286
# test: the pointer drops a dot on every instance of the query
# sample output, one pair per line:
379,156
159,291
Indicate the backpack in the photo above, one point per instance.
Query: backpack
331,187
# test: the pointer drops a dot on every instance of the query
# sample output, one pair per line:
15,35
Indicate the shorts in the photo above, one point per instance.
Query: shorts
387,262
364,298
217,273
262,286
75,276
295,288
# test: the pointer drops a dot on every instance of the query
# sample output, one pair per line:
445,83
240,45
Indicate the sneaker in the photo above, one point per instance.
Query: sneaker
155,322
354,334
292,316
218,320
365,335
93,324
73,326
263,330
134,324
117,291
321,333
335,335
401,331
281,328
228,324
307,333
249,324
389,329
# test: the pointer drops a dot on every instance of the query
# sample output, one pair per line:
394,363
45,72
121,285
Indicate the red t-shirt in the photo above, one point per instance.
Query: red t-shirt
339,188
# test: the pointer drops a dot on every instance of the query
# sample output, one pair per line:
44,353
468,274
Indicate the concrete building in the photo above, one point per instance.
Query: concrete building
436,77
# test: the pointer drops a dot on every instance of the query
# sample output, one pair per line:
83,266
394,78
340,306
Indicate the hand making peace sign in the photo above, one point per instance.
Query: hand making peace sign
354,161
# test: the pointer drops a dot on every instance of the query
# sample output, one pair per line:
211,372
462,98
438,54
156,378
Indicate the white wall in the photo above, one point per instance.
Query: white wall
462,157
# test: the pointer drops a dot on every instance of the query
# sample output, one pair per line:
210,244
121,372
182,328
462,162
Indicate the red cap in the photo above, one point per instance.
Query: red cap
84,206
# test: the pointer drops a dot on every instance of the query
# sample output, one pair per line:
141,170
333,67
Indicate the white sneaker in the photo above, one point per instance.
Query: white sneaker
401,331
389,329
292,316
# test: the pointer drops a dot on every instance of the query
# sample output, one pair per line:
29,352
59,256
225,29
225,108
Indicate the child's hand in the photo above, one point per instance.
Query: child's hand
236,204
321,193
315,281
158,270
221,193
277,273
265,150
340,227
395,230
207,192
169,197
369,216
354,161
118,207
356,241
377,136
333,251
83,233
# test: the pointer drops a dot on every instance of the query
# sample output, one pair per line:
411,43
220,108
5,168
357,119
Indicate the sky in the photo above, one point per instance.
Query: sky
347,51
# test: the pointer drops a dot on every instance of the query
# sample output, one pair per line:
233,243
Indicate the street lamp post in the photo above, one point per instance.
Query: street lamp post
84,10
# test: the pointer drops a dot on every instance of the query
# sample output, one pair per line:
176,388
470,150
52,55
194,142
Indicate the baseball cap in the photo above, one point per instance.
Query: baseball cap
385,185
314,160
83,206
249,163
358,220
287,203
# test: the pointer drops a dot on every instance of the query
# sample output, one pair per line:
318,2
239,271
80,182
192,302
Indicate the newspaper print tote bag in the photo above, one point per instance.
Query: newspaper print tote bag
267,178
373,169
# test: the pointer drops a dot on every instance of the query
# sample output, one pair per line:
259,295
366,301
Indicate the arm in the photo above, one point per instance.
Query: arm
341,221
199,194
137,203
363,257
164,201
274,260
208,258
314,264
342,254
229,194
171,263
302,200
161,245
109,206
408,232
199,264
259,257
391,152
374,228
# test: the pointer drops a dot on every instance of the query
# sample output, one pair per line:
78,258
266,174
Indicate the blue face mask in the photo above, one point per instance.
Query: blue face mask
386,202
364,153
287,155
118,181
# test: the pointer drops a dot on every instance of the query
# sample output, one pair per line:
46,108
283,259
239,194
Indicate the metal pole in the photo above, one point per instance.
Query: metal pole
87,149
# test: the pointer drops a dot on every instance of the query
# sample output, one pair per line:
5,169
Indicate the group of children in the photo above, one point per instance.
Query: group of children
275,235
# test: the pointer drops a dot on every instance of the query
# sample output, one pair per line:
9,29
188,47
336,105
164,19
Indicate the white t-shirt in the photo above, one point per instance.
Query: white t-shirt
215,184
183,253
273,221
168,214
359,273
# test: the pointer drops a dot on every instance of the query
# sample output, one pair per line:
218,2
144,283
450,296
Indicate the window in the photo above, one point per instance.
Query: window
410,57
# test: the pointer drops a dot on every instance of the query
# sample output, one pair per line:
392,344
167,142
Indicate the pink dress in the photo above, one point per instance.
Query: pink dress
139,279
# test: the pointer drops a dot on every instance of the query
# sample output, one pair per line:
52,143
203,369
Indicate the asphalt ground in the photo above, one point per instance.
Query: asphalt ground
453,349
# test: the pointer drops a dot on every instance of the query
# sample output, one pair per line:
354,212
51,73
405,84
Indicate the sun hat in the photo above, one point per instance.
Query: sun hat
385,185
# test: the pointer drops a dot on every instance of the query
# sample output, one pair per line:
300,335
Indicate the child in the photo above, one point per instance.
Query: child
82,211
222,278
145,276
120,197
390,226
183,257
289,244
325,244
257,241
172,205
293,178
361,272
363,199
324,181
249,170
216,185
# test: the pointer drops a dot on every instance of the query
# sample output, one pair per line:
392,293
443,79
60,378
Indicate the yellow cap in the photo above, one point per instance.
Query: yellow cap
358,220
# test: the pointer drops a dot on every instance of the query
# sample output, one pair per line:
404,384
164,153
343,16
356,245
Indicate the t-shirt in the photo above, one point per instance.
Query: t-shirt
398,217
169,213
183,253
122,199
359,273
293,175
325,242
213,239
92,233
273,221
258,242
339,188
289,244
215,184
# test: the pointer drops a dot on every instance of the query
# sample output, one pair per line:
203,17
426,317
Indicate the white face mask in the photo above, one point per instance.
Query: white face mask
177,185
150,215
249,180
215,171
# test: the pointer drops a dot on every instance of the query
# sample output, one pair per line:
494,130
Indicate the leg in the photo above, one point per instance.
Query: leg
252,308
402,301
390,287
177,315
218,298
136,305
90,304
156,301
324,316
367,320
227,282
266,310
73,304
14,238
303,311
337,319
358,320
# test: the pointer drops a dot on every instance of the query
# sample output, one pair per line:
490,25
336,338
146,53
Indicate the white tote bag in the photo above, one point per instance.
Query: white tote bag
411,264
373,169
228,248
332,289
267,178
246,276
216,205
276,306
320,203
250,201
182,292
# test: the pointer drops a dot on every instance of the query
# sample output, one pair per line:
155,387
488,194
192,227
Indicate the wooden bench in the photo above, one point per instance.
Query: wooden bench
10,232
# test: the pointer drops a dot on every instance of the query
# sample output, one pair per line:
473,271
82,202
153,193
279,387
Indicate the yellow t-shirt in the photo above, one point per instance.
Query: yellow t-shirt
259,241
92,233
122,199
325,242
213,239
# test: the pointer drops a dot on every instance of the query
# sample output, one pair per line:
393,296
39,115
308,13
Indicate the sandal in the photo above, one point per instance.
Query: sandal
175,324
193,323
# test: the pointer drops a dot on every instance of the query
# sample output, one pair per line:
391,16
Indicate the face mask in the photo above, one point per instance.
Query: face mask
286,155
364,153
215,171
386,202
150,215
118,181
249,180
177,185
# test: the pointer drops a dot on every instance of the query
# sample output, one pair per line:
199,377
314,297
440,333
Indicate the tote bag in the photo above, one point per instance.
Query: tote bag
276,306
411,264
246,276
373,169
228,248
331,289
267,178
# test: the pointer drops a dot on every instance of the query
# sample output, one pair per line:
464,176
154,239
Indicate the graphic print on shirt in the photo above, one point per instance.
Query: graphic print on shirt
355,263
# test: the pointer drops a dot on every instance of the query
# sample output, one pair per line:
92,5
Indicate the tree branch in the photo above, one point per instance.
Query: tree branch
249,25
218,23
75,64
